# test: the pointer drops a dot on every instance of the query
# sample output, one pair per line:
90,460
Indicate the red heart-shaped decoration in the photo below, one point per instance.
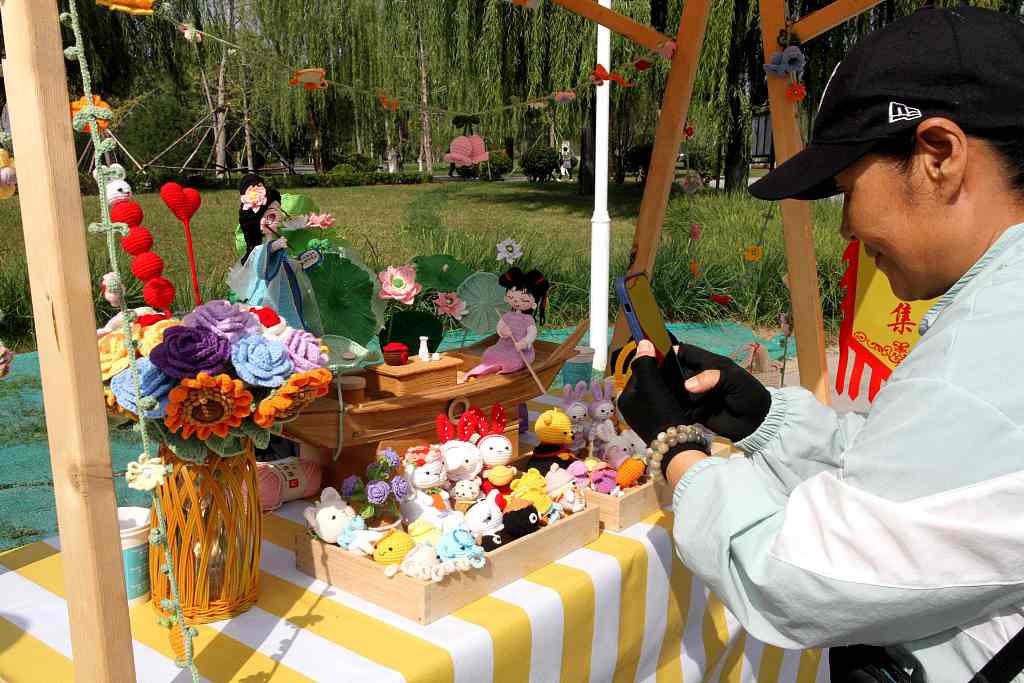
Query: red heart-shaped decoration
183,202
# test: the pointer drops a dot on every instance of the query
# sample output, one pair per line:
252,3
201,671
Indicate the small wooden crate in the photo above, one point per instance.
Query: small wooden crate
619,512
426,602
414,377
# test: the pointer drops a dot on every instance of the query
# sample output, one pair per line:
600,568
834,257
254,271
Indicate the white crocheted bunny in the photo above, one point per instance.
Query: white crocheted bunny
602,410
575,406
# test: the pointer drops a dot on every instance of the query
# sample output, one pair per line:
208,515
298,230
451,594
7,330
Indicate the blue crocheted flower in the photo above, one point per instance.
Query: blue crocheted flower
377,492
348,487
400,487
152,382
391,456
261,361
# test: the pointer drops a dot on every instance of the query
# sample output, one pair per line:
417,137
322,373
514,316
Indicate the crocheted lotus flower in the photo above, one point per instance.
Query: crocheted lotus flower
449,303
296,393
6,360
304,350
399,284
255,197
377,492
152,383
224,319
152,336
321,221
113,354
187,351
261,361
207,405
509,251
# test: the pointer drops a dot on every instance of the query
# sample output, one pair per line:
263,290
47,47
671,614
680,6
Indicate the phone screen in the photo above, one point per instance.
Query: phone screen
646,310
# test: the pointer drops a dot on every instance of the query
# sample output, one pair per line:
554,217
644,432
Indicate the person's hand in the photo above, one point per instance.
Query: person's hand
647,404
523,344
720,395
279,243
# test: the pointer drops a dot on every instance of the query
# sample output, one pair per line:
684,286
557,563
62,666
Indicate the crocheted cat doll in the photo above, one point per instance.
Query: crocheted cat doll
425,469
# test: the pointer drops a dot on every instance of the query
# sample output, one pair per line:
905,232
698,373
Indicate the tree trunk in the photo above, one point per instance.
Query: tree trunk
318,141
221,117
552,137
390,154
737,150
510,148
246,120
427,143
587,143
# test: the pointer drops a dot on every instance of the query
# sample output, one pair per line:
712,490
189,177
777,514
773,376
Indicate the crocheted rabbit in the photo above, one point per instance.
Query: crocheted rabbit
602,409
617,448
330,515
575,406
495,447
484,518
461,456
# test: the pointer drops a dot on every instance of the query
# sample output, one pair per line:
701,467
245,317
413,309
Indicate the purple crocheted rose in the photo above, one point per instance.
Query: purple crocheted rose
187,351
348,486
304,350
400,487
390,455
261,361
377,492
224,319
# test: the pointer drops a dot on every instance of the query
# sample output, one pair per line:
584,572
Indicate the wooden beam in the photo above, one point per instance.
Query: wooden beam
65,324
623,25
827,18
667,138
798,230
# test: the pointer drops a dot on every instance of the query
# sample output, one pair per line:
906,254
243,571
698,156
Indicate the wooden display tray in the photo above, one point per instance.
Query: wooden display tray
619,512
426,602
415,377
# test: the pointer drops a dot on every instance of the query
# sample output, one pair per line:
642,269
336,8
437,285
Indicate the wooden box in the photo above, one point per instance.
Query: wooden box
426,602
619,512
415,377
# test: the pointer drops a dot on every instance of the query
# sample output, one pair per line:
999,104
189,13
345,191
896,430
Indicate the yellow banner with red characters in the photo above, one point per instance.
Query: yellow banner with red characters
878,329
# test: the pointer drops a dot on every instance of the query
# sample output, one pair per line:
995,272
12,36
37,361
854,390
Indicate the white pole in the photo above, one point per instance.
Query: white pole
600,223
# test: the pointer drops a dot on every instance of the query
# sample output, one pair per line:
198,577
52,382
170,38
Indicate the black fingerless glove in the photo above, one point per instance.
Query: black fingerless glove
734,408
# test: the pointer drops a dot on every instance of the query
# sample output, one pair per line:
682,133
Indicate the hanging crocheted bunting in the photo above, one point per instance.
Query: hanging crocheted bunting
127,212
158,293
147,266
137,241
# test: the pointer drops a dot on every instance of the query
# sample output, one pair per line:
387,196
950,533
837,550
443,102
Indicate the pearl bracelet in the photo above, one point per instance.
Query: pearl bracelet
669,439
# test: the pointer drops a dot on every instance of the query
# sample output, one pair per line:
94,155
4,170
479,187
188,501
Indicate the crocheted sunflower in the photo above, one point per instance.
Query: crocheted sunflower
287,402
207,405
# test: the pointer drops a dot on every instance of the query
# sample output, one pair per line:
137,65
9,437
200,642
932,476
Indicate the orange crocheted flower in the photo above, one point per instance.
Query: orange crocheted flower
114,408
796,92
753,253
113,354
207,405
287,402
80,103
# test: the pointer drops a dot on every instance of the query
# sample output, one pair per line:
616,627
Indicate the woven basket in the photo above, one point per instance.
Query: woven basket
214,523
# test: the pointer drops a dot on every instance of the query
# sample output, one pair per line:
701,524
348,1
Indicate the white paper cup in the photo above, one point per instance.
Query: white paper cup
134,523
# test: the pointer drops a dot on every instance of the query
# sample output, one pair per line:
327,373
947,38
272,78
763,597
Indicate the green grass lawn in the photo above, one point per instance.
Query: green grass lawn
391,224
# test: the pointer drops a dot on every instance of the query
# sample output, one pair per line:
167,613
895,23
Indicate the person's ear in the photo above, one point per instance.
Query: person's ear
941,155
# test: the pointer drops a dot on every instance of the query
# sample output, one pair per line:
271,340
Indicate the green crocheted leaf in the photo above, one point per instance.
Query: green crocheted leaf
441,272
192,450
344,293
485,302
226,446
408,326
248,429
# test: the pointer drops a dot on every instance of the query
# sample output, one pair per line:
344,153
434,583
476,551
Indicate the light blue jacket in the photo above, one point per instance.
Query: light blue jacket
904,527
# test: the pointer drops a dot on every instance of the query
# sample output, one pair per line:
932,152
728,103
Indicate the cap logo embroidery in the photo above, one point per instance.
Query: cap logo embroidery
901,112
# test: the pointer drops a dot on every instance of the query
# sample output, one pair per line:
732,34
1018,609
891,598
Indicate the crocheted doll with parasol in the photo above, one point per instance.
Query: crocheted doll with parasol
526,296
267,276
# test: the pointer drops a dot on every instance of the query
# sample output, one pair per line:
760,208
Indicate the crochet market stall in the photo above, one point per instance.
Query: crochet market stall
621,607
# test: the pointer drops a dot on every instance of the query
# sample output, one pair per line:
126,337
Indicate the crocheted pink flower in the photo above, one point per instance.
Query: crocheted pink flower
399,284
304,350
667,49
449,303
694,231
320,220
254,198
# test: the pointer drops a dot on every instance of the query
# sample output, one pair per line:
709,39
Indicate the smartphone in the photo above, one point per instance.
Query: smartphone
645,319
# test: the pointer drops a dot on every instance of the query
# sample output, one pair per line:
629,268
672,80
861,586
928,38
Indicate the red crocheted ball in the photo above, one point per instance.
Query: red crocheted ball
127,212
147,266
137,241
268,316
158,293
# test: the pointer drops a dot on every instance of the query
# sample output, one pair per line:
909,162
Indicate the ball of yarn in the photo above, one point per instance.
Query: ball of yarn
127,212
158,293
138,239
271,486
147,266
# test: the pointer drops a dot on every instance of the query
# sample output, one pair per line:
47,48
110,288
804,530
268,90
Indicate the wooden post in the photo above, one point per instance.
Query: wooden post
669,135
798,231
55,248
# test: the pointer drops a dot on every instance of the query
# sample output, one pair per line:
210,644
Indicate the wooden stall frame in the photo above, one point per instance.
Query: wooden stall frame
65,325
63,310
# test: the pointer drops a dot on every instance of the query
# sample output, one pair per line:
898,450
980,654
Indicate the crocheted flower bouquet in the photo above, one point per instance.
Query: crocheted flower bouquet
221,375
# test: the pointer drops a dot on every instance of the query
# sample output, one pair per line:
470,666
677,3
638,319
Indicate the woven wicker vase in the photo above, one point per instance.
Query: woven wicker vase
214,524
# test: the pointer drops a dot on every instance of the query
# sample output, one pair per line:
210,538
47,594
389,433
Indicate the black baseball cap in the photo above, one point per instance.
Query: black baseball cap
965,64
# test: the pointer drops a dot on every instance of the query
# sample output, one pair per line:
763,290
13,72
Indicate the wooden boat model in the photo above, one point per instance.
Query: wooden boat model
384,415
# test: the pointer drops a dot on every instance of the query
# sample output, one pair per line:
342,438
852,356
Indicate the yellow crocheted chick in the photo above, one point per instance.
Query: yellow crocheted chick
532,479
422,531
553,427
393,548
538,497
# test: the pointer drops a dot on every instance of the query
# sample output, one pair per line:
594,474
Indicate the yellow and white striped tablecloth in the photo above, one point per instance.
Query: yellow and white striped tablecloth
620,609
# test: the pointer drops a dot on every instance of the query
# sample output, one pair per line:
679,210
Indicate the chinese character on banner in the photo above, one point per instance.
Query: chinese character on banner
878,329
